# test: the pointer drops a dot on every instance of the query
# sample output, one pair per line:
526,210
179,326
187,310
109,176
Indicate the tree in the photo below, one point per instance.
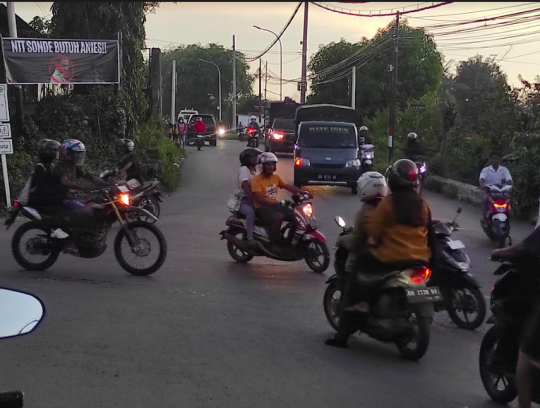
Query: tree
41,25
196,79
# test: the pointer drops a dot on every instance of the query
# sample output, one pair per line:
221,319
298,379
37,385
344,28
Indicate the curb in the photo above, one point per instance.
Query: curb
454,189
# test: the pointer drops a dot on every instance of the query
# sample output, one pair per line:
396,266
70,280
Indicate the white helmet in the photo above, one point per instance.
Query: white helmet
267,157
371,185
253,119
412,135
363,129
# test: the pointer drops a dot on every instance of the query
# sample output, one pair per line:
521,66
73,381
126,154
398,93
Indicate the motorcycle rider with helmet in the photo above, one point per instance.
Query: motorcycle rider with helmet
363,136
400,231
265,188
246,173
129,163
413,148
253,124
494,174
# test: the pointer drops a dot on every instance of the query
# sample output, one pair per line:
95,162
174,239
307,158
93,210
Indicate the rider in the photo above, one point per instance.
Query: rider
399,232
363,136
129,163
494,174
248,161
529,353
199,127
413,148
254,124
265,187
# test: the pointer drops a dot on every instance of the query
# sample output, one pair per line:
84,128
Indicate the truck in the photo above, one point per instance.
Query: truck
279,134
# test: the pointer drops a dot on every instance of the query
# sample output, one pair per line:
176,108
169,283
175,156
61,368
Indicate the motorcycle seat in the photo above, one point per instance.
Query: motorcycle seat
257,221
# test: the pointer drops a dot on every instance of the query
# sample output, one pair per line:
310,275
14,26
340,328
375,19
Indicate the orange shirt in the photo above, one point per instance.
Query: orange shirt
268,186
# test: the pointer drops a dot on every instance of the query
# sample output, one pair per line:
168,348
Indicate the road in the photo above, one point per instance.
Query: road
205,331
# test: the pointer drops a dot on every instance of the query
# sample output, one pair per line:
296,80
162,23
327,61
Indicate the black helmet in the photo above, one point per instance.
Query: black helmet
247,154
127,144
403,173
47,149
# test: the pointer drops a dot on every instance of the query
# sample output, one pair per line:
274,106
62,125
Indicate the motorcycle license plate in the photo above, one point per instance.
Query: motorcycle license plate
326,177
456,245
206,143
431,294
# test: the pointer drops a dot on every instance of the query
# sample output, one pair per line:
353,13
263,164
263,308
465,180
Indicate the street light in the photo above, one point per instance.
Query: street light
219,78
280,60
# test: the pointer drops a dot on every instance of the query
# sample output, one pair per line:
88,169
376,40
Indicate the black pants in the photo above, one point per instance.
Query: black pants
268,216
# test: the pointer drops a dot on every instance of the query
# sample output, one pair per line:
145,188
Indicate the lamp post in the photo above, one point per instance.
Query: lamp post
219,79
280,60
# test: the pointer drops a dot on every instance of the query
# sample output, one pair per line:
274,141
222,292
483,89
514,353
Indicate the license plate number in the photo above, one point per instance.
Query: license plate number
326,177
456,245
206,143
424,295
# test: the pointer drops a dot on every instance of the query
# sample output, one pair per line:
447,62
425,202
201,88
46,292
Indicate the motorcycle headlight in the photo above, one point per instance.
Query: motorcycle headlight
369,155
353,163
423,169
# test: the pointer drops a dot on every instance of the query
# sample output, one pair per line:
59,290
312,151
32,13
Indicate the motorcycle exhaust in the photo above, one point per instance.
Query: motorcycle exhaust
148,214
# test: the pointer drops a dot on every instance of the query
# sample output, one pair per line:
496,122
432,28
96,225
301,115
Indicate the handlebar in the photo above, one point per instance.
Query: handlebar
11,399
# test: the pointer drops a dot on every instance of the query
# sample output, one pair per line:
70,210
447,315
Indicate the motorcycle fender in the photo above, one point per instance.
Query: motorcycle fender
333,278
314,236
368,162
464,279
233,221
500,217
157,196
424,309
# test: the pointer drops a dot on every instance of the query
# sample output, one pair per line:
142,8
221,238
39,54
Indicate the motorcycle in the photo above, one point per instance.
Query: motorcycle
512,299
497,226
253,135
462,297
144,195
22,313
241,132
110,205
401,309
200,141
299,235
366,157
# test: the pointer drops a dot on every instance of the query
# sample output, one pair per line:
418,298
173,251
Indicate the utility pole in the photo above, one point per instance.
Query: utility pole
353,88
173,92
393,68
12,23
260,90
303,83
265,80
233,126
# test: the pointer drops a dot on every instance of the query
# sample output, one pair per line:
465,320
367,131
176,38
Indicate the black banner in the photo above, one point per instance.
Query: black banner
42,61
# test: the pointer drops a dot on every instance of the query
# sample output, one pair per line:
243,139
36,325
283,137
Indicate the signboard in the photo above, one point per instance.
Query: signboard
41,61
6,146
418,107
4,108
5,131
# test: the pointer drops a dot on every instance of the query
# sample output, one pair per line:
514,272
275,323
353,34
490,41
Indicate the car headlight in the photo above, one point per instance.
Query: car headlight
353,163
221,132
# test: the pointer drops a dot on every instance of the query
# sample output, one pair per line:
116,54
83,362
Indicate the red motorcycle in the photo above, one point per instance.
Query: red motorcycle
253,136
299,235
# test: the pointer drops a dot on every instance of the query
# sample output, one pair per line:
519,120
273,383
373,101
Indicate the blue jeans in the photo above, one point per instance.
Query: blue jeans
246,209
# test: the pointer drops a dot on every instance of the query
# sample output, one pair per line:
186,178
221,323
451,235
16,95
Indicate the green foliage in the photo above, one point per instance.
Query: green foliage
41,25
197,79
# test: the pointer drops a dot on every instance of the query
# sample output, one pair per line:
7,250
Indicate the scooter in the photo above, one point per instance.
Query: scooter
21,314
512,300
241,132
366,157
497,226
401,305
253,135
200,141
299,236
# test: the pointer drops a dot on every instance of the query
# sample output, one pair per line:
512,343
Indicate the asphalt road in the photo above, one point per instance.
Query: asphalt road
205,331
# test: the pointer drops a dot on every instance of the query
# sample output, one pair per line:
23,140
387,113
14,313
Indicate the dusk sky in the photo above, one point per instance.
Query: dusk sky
205,22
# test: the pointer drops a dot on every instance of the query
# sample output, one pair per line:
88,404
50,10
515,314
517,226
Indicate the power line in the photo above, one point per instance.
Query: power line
333,9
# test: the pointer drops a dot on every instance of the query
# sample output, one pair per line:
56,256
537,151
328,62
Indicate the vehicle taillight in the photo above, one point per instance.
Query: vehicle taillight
298,162
15,203
420,275
308,210
278,136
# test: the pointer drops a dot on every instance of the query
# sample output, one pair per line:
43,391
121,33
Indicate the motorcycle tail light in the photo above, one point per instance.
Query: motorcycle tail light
420,275
308,210
15,203
124,199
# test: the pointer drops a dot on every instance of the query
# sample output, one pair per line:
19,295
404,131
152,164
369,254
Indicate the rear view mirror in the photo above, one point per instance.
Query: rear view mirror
20,313
340,221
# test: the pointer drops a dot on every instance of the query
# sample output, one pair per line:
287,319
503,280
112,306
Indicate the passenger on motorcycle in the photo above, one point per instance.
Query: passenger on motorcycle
265,188
248,161
199,127
494,174
400,233
529,353
129,162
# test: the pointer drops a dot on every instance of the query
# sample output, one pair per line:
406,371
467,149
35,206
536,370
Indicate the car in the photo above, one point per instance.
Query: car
209,134
280,136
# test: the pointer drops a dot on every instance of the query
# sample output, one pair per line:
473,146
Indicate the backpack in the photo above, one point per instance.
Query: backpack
24,195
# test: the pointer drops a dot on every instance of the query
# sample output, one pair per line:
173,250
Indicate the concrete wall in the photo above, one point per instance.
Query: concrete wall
454,189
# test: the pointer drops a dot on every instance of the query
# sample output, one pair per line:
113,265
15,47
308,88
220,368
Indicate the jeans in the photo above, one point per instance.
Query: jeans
246,209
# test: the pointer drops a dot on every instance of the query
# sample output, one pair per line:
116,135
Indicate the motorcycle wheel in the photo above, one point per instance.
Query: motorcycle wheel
198,147
151,205
490,379
142,249
236,253
331,301
465,301
43,236
314,252
415,348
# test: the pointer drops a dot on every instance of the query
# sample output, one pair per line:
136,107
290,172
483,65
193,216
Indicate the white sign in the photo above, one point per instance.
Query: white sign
5,131
4,108
6,146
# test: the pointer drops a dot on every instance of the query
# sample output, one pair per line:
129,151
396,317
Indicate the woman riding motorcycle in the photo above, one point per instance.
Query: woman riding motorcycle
400,233
248,161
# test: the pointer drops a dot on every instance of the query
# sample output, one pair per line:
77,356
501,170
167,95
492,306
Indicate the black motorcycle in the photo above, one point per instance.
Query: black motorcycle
512,300
21,314
200,141
463,299
140,248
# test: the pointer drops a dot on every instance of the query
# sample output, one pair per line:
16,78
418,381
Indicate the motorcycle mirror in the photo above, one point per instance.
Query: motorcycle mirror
341,222
21,313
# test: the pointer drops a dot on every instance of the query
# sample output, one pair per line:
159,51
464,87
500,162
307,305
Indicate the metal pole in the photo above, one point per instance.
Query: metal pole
219,80
392,114
260,91
173,92
234,125
353,88
303,86
280,61
265,80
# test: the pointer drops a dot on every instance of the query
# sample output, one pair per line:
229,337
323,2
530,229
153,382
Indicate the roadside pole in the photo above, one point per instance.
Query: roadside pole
353,88
233,119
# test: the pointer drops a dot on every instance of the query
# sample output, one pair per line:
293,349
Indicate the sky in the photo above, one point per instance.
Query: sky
207,22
